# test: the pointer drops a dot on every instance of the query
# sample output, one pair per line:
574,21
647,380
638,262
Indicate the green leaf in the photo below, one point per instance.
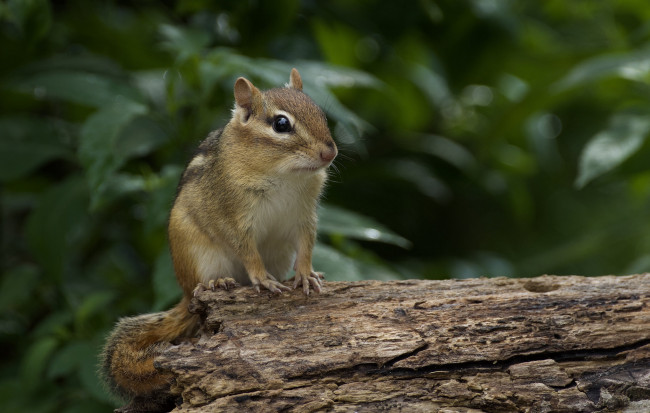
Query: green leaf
335,266
18,285
26,144
319,78
89,378
338,221
34,17
117,185
92,304
86,63
354,126
16,398
339,267
19,159
140,137
335,76
338,42
448,150
165,287
611,147
151,83
183,42
420,176
632,66
35,361
162,190
60,210
433,84
372,271
76,86
66,360
99,138
222,63
54,324
84,406
79,358
274,73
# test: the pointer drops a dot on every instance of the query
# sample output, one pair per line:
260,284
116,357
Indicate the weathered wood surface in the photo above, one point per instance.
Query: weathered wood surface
546,344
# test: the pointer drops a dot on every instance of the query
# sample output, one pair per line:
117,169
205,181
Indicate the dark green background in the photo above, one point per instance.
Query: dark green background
478,138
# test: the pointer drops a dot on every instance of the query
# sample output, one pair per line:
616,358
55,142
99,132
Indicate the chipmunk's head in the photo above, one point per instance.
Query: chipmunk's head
283,126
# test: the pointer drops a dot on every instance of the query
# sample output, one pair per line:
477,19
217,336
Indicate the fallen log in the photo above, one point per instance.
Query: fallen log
545,344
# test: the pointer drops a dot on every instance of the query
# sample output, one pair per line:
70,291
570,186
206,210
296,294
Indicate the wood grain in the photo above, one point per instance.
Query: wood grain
545,344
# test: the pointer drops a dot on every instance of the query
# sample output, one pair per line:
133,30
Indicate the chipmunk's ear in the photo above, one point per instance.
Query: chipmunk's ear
295,82
247,98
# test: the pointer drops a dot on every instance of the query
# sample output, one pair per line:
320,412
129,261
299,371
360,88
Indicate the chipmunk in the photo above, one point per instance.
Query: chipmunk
245,211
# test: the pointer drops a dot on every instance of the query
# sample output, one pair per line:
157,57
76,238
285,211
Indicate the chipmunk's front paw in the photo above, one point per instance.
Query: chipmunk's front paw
224,283
269,282
313,279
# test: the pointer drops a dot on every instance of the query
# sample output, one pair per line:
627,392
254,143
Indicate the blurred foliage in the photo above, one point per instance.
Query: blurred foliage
495,137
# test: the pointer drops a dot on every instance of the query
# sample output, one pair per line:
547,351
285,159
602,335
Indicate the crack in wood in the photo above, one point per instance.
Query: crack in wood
401,357
502,365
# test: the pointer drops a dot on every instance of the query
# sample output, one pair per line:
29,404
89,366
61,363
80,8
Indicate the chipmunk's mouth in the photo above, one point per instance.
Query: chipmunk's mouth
309,165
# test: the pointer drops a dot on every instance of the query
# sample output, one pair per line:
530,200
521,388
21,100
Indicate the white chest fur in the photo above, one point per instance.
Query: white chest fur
279,211
276,219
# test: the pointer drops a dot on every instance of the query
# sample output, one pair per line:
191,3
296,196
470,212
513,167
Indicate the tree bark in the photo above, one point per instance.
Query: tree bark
545,344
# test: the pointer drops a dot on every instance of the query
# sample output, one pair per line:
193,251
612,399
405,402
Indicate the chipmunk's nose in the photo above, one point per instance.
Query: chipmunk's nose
329,152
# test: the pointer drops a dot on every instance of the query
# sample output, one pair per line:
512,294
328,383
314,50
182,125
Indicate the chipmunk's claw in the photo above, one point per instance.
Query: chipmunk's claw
313,279
222,283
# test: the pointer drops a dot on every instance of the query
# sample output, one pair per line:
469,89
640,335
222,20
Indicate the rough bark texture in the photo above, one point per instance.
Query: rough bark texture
546,344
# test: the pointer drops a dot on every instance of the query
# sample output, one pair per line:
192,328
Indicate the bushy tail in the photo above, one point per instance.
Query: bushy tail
127,360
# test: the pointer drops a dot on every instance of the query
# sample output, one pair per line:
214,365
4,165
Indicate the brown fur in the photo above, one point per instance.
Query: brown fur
134,343
245,209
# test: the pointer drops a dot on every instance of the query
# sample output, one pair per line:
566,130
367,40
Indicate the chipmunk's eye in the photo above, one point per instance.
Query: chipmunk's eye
281,124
